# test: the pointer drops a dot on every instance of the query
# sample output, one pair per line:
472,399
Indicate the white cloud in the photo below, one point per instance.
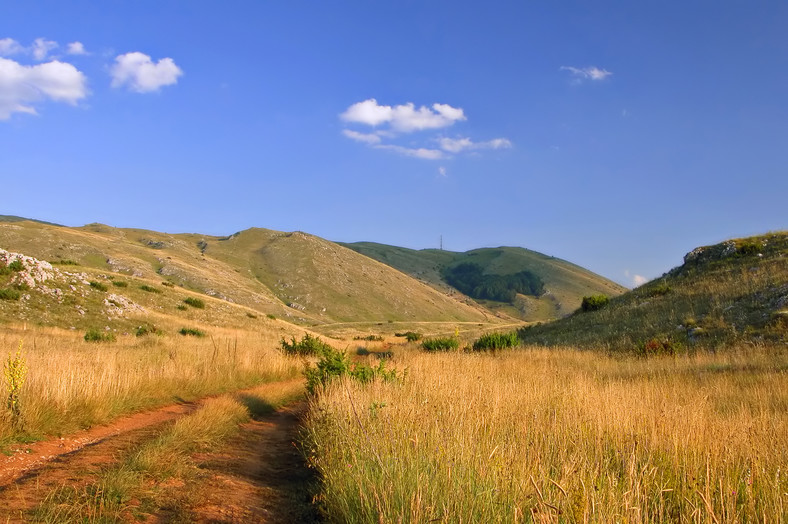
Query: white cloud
139,73
9,46
21,85
42,47
367,138
587,73
76,48
442,171
403,118
637,280
456,145
421,152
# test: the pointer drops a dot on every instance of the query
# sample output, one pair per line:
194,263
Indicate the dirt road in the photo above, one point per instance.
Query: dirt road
257,476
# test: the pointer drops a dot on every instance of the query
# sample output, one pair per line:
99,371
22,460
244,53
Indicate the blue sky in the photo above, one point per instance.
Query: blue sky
616,135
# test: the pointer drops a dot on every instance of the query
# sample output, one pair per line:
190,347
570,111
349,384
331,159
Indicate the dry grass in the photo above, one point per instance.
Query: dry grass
73,384
163,473
560,435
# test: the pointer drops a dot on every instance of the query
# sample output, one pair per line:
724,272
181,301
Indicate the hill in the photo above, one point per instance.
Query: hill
565,283
736,291
301,278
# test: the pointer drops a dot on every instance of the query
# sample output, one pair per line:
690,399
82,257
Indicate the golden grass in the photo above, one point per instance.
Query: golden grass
72,384
558,436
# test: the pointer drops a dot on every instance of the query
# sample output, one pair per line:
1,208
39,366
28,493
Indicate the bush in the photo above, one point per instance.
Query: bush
335,364
120,283
9,294
147,329
16,266
194,332
270,316
494,341
98,286
371,338
410,336
594,302
440,344
181,307
149,289
658,290
97,335
749,248
251,315
167,284
307,346
655,347
66,262
194,302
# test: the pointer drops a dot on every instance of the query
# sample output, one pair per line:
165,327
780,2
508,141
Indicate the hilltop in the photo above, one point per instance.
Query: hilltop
565,284
735,291
297,277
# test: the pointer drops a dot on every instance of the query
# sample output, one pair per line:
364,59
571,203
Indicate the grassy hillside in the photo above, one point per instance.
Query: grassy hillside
566,283
736,291
294,276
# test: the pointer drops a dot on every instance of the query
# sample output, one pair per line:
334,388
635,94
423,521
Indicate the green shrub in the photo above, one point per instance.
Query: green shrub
181,307
9,294
66,262
194,302
147,329
594,302
270,316
659,289
335,364
167,284
97,335
494,341
440,344
149,289
120,283
98,286
251,315
749,248
371,338
308,345
194,332
4,270
16,266
410,336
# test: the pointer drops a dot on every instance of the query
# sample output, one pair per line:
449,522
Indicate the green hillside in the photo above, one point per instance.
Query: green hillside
294,276
565,283
736,291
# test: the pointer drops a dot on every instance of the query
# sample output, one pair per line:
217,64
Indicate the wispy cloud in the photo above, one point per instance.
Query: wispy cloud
420,152
367,138
139,73
456,145
442,171
21,86
592,73
10,47
76,48
42,47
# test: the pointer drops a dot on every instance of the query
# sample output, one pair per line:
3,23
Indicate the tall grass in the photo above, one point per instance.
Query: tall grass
558,436
73,384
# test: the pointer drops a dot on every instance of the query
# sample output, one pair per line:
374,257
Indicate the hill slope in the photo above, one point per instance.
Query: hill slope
733,291
566,283
303,278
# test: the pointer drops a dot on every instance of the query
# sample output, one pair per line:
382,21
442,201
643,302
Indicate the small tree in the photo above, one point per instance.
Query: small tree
594,302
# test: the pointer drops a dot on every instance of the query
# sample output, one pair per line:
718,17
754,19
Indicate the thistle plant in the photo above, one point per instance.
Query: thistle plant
15,371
